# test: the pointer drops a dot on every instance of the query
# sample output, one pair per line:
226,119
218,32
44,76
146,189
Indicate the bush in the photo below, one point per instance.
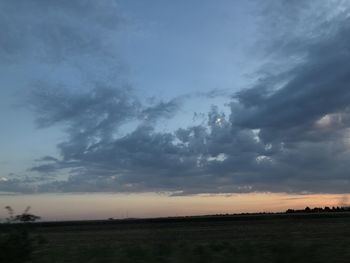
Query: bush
16,245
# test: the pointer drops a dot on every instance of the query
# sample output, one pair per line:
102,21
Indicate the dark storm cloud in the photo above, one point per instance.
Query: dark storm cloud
15,186
162,109
303,112
46,168
96,110
142,160
47,159
313,88
92,120
289,132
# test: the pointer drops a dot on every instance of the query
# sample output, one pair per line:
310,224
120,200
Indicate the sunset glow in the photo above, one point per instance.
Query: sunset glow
119,206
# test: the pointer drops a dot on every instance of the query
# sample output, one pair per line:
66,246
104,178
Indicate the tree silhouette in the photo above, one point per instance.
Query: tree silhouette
16,244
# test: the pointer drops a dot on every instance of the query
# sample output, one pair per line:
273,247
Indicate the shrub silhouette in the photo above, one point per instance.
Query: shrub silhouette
16,244
25,217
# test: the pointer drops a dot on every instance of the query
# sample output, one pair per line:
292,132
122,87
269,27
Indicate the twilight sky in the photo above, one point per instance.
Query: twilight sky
179,98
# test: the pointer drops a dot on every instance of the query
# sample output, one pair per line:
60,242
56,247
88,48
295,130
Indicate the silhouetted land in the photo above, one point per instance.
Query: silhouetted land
286,237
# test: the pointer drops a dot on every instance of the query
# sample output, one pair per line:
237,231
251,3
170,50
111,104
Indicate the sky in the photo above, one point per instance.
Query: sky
157,108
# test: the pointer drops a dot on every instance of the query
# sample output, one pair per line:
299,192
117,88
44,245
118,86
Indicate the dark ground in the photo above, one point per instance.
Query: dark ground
248,238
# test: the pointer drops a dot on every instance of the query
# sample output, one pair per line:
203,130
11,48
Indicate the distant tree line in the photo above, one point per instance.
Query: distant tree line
319,209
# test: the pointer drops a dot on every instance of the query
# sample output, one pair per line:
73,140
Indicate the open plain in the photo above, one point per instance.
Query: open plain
323,237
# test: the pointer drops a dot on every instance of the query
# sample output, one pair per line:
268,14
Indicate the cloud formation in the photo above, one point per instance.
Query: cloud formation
288,132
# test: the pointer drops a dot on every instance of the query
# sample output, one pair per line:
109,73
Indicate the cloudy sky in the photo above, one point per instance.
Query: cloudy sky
125,101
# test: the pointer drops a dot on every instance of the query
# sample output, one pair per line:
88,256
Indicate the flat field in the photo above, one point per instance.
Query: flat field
238,238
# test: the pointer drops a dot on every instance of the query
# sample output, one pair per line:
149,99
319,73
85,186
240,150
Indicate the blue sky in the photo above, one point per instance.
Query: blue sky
182,98
195,46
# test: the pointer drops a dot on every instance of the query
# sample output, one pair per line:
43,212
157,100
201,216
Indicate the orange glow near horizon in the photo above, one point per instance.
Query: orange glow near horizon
102,206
